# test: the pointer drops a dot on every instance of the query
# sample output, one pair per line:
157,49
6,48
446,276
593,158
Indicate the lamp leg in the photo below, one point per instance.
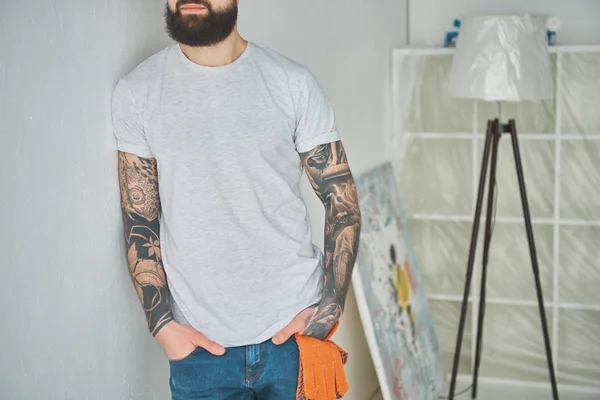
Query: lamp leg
534,261
471,260
486,250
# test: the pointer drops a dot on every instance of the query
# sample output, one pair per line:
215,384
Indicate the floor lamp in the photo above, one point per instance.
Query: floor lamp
499,59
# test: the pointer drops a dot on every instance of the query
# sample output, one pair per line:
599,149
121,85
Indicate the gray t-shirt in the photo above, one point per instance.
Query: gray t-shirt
235,233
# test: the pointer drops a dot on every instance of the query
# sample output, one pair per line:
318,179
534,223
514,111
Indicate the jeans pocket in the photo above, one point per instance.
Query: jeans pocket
196,350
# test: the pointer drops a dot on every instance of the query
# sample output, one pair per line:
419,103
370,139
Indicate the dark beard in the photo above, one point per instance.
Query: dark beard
201,30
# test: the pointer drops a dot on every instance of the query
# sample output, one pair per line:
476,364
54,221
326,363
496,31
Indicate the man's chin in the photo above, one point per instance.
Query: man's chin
191,21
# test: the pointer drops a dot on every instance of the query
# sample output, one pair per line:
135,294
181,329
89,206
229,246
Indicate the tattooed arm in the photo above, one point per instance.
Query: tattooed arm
140,205
329,174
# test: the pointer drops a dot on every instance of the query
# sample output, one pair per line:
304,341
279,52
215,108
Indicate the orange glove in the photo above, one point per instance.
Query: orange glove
322,375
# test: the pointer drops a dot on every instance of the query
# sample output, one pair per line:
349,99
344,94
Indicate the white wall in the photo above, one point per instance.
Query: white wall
347,44
430,19
70,326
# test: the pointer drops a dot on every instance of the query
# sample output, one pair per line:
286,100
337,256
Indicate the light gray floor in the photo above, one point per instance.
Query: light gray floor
497,392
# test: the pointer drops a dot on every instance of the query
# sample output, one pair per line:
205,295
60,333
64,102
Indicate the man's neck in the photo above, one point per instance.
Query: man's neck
218,55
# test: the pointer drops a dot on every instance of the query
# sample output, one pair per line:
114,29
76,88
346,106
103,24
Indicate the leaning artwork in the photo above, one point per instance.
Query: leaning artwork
392,302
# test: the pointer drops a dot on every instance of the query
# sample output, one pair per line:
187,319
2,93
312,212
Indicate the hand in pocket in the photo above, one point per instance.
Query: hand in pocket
316,322
179,341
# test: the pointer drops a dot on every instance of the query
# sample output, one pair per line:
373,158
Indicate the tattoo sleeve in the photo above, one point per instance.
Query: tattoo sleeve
329,174
140,203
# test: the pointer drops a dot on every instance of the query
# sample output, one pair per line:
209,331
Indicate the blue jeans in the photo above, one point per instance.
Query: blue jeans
261,371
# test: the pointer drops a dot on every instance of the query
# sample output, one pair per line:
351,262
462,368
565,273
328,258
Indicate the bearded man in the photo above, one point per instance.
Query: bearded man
213,134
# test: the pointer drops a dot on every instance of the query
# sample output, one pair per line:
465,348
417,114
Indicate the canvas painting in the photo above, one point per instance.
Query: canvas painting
392,302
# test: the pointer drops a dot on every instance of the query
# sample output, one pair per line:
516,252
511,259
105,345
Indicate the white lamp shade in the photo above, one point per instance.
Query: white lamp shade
501,58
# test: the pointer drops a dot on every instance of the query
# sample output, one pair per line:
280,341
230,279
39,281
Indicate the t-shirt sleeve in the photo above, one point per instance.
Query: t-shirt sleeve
127,123
315,119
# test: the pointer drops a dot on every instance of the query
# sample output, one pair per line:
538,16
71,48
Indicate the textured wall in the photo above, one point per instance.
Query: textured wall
71,327
430,19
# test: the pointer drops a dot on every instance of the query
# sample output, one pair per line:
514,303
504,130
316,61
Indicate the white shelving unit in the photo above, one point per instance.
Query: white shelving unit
436,143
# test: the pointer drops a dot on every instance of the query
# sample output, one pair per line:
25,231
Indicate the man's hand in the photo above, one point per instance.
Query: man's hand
315,322
179,341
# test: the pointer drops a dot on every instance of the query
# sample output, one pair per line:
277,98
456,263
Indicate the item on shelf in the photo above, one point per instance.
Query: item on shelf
500,58
553,24
391,299
451,36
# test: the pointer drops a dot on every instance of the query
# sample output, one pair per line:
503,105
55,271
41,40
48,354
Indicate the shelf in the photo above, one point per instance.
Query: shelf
505,220
517,303
438,51
439,141
522,136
